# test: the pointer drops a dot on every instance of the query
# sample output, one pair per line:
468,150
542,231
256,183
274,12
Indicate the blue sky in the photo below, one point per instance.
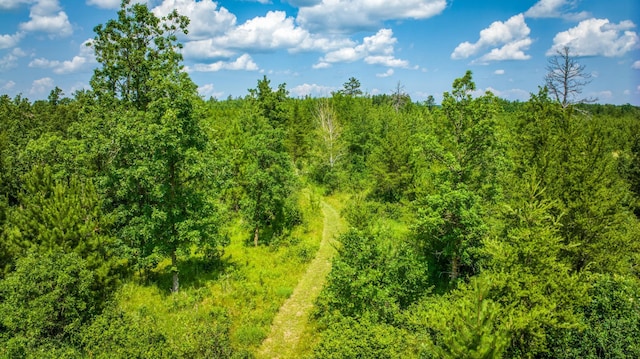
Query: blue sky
314,46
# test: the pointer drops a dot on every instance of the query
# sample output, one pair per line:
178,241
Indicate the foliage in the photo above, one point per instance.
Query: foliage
611,321
46,301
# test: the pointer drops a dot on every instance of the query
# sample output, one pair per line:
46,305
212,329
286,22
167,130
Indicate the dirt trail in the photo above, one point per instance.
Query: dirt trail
292,317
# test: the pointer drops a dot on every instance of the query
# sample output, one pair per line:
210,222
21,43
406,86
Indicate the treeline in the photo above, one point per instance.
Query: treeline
483,228
478,227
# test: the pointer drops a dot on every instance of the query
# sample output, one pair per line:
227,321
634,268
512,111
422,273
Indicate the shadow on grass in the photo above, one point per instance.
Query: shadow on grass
194,272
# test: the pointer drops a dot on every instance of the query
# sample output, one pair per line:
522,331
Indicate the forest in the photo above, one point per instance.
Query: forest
140,220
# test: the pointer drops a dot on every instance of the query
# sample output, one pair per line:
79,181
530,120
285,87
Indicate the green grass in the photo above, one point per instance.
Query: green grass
292,331
250,285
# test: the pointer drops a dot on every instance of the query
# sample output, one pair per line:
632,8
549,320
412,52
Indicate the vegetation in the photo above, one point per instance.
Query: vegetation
139,220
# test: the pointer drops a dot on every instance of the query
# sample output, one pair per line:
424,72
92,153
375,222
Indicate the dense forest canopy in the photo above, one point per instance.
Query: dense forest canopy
476,228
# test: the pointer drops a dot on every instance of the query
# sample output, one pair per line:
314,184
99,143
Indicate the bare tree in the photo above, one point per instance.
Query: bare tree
566,78
399,97
330,130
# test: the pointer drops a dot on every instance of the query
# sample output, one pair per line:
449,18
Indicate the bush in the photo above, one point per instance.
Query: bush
611,320
350,338
48,296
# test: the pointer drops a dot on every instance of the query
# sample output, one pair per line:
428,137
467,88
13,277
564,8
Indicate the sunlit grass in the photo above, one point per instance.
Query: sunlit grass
250,286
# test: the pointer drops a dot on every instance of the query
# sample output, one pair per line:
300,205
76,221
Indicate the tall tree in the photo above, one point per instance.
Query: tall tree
566,78
131,49
351,88
153,167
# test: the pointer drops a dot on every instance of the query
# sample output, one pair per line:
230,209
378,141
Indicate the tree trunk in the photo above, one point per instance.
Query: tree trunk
255,236
455,267
174,269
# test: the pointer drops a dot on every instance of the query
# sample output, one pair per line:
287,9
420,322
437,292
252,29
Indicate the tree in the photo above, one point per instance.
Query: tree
150,109
131,50
566,78
351,88
330,130
268,178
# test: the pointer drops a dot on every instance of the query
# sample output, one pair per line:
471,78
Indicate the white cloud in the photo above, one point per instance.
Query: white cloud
311,90
349,15
8,41
77,63
41,85
12,4
208,90
511,51
597,37
321,65
8,85
512,35
375,50
636,65
60,67
10,60
206,19
111,4
263,33
556,9
386,74
605,95
105,4
244,62
499,72
47,16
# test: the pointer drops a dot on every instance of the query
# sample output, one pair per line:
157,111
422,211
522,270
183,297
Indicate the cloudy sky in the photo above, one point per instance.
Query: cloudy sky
314,46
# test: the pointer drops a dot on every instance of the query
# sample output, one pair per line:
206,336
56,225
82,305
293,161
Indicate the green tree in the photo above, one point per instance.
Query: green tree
153,153
134,49
351,88
267,177
61,215
45,302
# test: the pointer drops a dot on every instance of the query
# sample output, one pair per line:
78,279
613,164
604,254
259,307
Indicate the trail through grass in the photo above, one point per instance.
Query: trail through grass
290,324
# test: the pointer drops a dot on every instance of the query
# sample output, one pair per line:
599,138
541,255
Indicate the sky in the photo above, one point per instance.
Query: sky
315,46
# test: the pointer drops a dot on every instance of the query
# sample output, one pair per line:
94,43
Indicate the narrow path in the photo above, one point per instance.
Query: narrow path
292,317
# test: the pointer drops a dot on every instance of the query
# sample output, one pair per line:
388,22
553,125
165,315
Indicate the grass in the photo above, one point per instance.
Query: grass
249,287
291,333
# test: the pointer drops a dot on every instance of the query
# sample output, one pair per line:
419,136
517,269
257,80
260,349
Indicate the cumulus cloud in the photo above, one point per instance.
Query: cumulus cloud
208,90
352,15
244,62
8,85
12,4
597,37
10,60
206,18
270,32
311,90
386,74
512,35
110,4
77,63
47,16
8,41
41,85
636,65
556,9
60,67
374,50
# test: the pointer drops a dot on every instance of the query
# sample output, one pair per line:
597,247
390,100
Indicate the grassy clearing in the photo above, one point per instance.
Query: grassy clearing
248,288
